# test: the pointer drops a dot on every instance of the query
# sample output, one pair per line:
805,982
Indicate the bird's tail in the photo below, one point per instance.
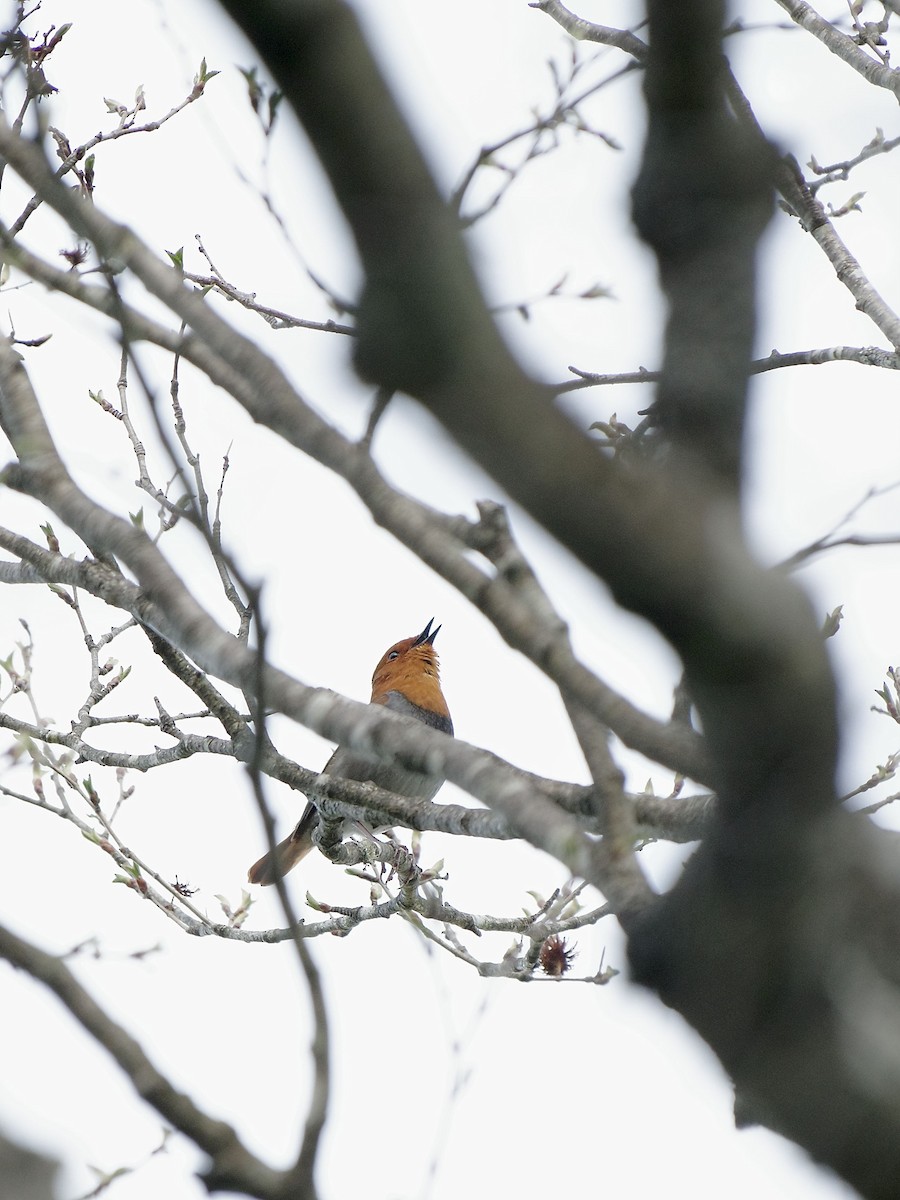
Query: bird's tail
279,861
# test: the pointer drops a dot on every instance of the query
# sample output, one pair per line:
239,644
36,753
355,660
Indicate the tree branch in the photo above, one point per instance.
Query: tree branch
232,1165
842,46
588,31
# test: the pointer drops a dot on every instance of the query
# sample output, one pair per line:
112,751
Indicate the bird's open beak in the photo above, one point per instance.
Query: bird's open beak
427,636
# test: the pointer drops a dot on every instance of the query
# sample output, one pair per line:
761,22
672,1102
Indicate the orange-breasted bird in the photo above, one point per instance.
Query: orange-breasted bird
406,680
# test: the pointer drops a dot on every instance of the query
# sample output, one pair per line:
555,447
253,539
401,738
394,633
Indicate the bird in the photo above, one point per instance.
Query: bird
407,681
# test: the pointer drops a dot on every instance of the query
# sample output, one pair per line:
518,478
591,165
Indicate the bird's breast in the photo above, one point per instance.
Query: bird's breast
401,704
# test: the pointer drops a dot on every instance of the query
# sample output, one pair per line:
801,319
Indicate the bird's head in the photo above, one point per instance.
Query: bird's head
411,667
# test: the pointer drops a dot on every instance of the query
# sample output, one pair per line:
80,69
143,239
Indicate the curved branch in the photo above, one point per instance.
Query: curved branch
233,1166
588,31
842,46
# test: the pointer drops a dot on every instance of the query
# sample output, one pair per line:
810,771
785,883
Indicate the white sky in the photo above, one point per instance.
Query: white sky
443,1083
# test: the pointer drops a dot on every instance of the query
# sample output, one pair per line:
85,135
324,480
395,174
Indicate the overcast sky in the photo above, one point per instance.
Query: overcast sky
443,1083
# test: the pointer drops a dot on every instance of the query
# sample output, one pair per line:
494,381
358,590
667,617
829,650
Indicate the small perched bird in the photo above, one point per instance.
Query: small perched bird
406,680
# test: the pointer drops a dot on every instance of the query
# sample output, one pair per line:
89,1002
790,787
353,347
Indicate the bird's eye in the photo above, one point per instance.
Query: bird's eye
393,654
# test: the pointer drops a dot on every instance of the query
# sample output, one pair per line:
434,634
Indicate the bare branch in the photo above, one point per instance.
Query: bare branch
828,541
868,356
578,27
802,203
841,170
233,1167
841,45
